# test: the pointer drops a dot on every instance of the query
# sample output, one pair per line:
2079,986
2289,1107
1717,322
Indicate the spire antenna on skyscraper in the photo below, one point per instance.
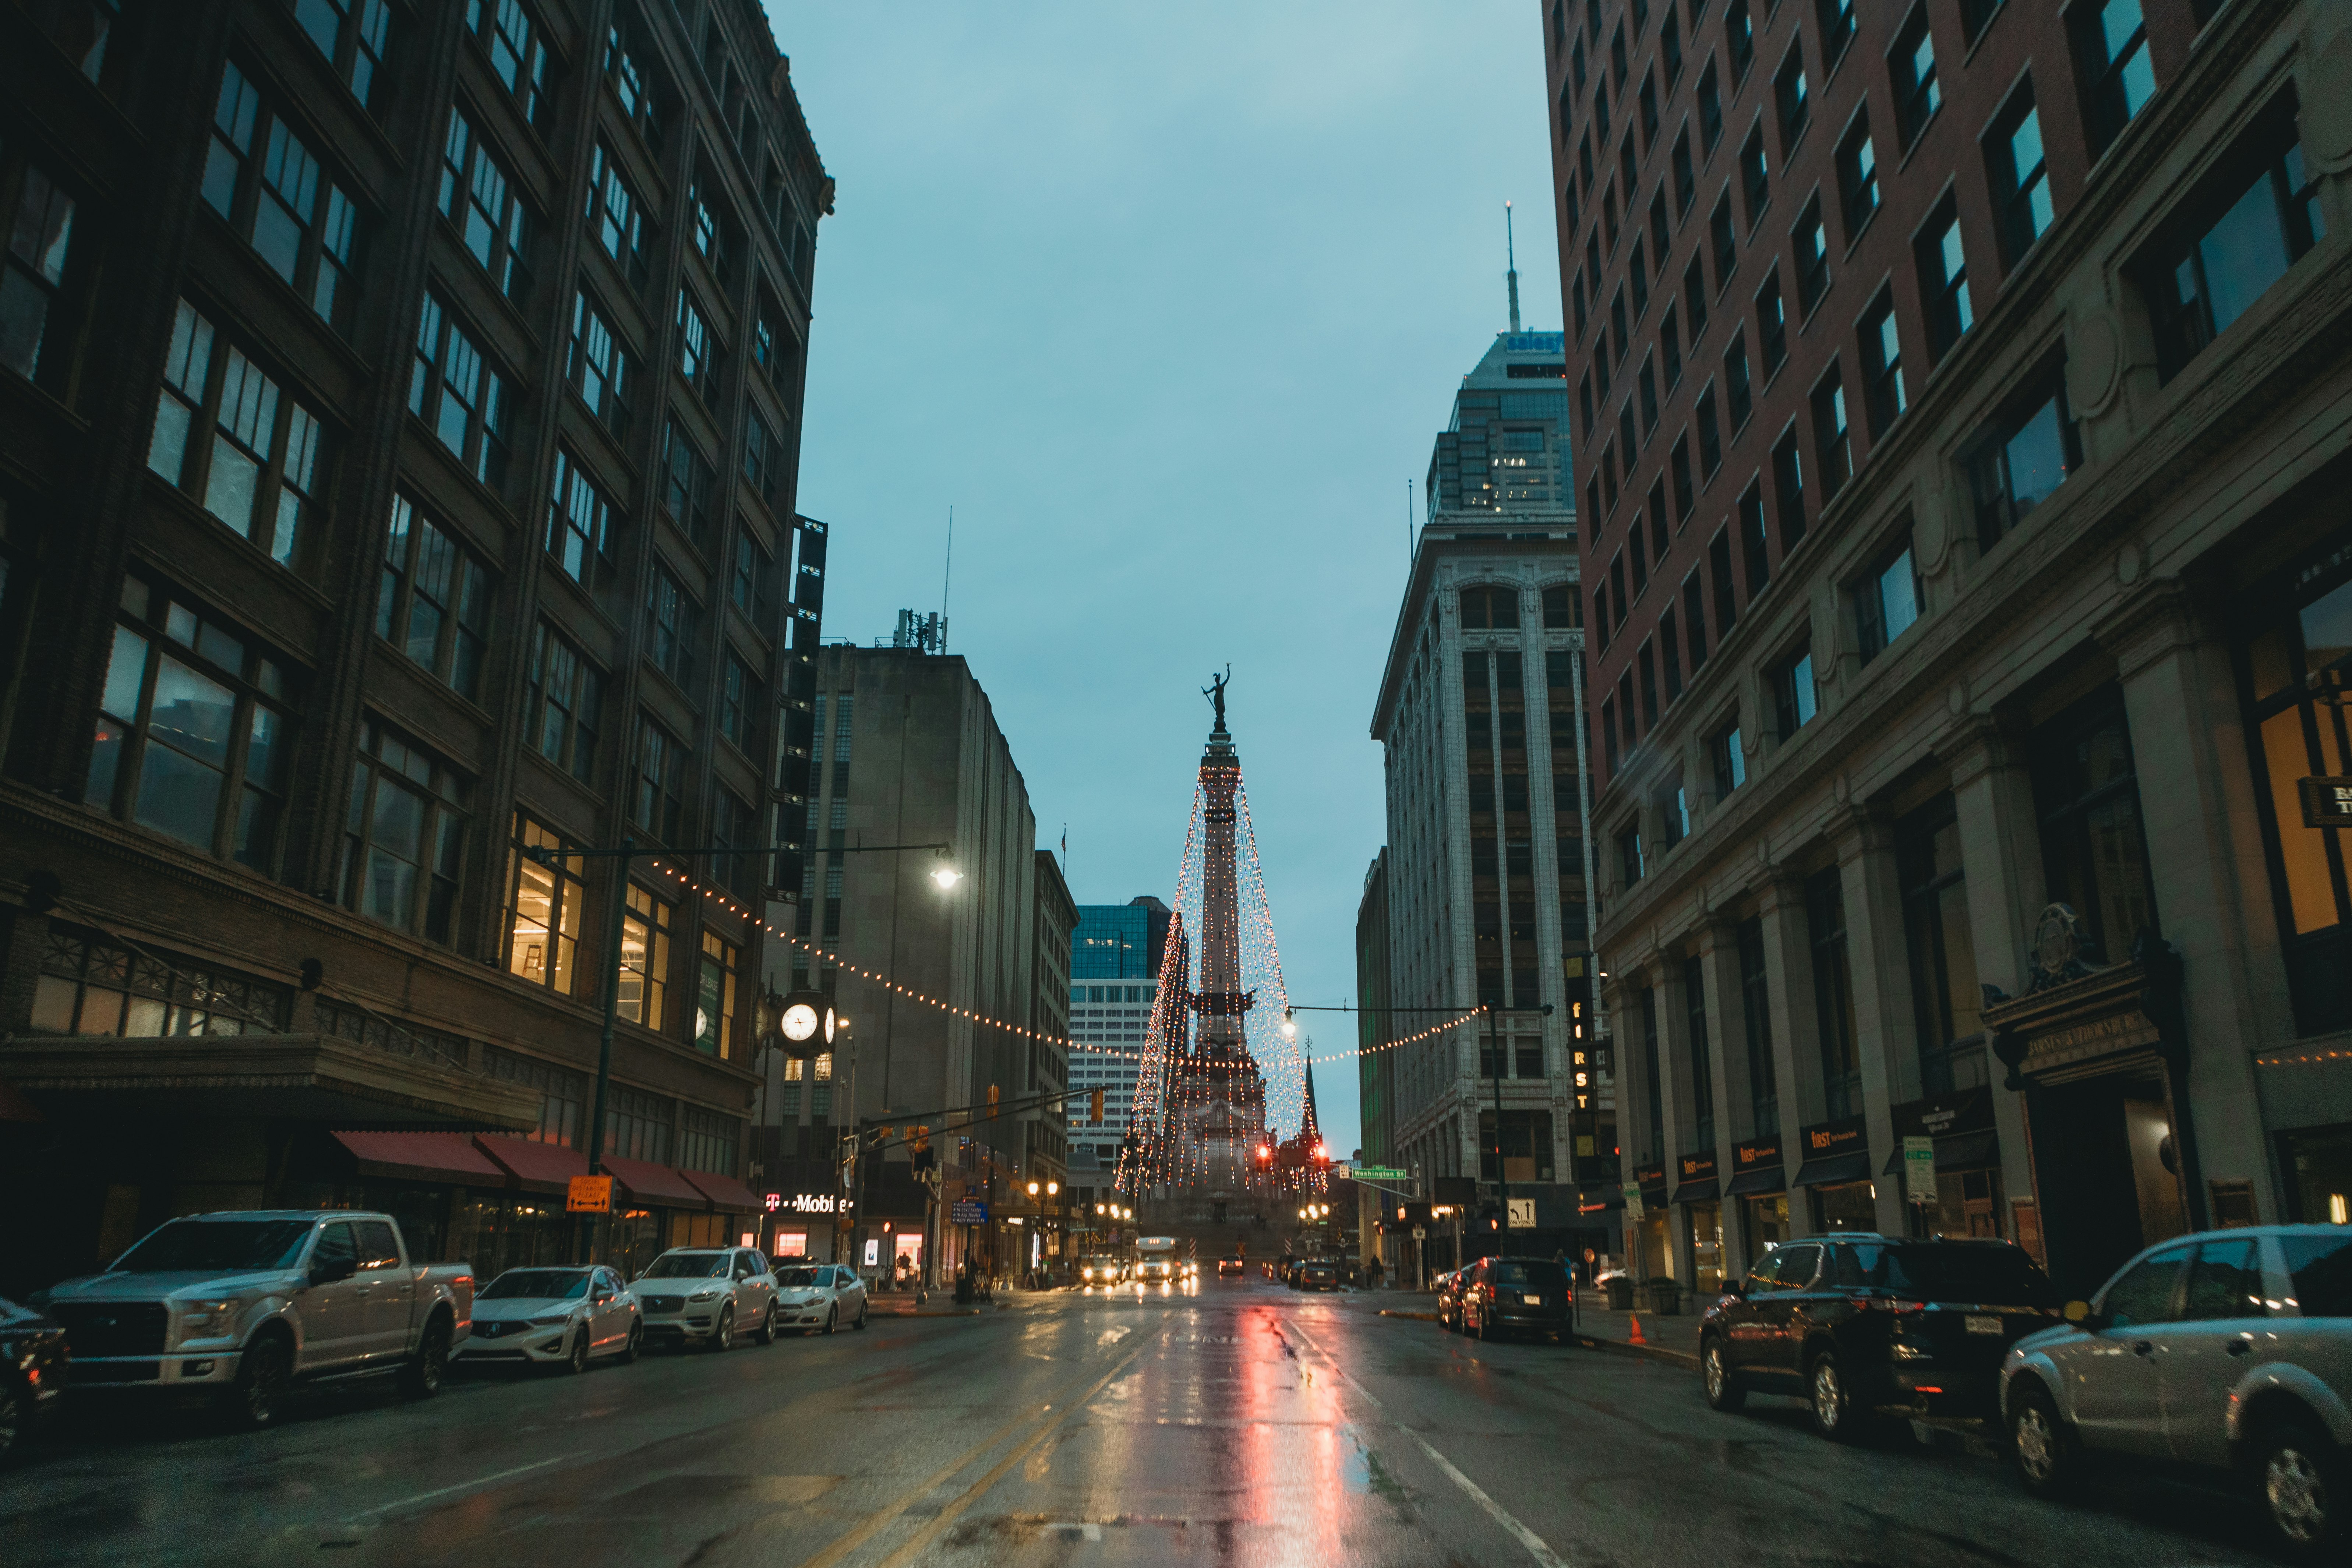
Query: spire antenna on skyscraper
1511,256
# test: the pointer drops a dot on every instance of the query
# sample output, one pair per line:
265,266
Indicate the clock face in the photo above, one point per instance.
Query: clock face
800,1022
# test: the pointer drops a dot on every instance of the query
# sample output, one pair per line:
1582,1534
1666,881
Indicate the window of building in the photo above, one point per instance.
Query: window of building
1857,162
2020,176
708,1141
89,984
1630,864
1702,1052
1718,572
1944,279
579,522
36,334
697,349
1725,245
1944,997
1789,491
2111,62
689,483
518,50
494,224
737,691
1772,323
657,801
1911,67
1833,992
1685,174
2026,455
1755,1015
644,958
762,456
673,627
404,835
1792,96
1673,812
1710,111
1740,37
1738,395
1710,434
224,436
1695,299
1753,541
459,393
714,998
632,88
637,1125
1836,17
2237,234
1728,761
562,704
619,221
433,600
545,894
1678,467
563,1105
1882,367
1886,600
1648,99
2094,849
261,176
597,366
1795,698
1494,607
2299,636
1832,442
1647,383
1810,239
1755,179
1695,621
1563,608
195,729
748,580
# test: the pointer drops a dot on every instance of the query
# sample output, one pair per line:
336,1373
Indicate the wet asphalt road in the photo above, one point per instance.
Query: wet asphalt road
1243,1423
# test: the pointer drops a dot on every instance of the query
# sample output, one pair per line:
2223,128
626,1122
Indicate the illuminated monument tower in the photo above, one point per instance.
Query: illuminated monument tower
1216,1099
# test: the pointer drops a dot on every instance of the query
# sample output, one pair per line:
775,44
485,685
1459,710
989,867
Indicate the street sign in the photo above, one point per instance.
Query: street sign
1523,1213
589,1195
1379,1173
1420,1233
1632,1203
1920,1169
967,1211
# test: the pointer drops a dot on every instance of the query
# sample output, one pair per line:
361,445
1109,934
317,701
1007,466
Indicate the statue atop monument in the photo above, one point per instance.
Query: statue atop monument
1215,692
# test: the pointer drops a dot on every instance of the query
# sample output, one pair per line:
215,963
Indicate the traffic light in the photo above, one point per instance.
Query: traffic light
1098,1108
922,1158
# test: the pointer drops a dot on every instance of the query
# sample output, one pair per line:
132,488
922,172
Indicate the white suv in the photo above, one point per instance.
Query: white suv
709,1294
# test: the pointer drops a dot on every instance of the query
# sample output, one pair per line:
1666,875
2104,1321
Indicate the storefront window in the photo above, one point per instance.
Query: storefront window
1944,992
2304,637
1846,1205
2319,1163
2086,791
1706,1247
1768,1223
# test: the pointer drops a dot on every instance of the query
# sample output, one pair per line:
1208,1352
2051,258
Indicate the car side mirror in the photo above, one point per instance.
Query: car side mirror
2079,1313
603,1295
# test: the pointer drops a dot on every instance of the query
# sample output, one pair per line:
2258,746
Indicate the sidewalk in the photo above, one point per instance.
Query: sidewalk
1673,1339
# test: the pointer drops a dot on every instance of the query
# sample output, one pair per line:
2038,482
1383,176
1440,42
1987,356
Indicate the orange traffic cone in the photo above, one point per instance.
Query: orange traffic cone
1636,1338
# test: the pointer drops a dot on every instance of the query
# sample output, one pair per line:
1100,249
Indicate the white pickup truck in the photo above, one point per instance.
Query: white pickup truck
252,1302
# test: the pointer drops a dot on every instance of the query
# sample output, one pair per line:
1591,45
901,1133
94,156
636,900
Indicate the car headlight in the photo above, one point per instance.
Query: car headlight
200,1318
707,1293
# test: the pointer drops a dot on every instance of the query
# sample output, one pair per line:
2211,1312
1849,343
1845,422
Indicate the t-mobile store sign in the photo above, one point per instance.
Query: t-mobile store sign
809,1202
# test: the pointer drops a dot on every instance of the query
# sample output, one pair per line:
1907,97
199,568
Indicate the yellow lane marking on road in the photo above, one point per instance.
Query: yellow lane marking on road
875,1521
1535,1546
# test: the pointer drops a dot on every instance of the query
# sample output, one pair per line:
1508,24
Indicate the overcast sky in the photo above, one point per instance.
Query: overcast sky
1169,303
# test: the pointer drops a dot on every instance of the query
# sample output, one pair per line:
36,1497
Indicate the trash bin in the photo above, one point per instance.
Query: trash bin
1620,1294
1665,1297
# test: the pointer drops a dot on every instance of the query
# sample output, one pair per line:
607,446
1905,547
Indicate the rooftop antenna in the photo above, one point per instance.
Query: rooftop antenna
947,576
1511,252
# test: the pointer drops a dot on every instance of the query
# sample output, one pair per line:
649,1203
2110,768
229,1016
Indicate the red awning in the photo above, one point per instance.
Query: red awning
537,1167
422,1157
725,1191
652,1183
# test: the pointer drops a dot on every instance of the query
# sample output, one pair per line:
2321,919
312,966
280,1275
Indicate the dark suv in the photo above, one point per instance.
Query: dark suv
1505,1295
1858,1324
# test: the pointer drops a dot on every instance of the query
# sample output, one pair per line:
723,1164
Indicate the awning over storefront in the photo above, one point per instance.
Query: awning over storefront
1756,1168
422,1157
1767,1181
1696,1182
1960,1123
1652,1180
535,1167
725,1191
1831,1172
1835,1152
1705,1191
655,1185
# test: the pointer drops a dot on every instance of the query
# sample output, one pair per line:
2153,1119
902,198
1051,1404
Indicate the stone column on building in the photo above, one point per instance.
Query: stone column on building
1796,1026
1717,942
2001,857
1885,1028
2207,862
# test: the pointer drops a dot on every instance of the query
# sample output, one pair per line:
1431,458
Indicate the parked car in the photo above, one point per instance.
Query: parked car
2227,1355
1448,1287
33,1372
555,1317
1861,1325
251,1303
817,1297
1497,1296
1231,1263
1318,1274
708,1294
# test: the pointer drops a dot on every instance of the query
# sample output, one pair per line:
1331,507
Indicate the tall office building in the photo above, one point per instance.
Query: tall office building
1957,388
403,418
1483,880
1114,980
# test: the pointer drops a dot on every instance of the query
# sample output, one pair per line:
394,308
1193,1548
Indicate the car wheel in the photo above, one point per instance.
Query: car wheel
833,1318
1486,1328
13,1417
768,1326
2041,1448
259,1396
1827,1398
575,1361
863,1307
635,1342
722,1338
1715,1369
420,1377
2303,1490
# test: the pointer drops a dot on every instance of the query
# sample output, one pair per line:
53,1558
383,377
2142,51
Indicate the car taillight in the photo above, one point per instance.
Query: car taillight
1879,1304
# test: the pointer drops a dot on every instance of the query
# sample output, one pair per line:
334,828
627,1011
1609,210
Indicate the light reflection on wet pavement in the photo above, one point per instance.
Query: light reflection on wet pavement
1235,1422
